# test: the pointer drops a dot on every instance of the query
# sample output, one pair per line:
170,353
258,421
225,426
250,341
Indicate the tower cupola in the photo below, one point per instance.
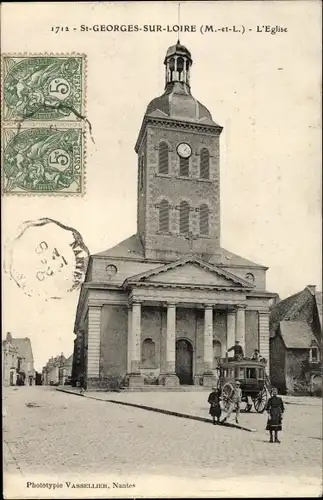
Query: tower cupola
178,61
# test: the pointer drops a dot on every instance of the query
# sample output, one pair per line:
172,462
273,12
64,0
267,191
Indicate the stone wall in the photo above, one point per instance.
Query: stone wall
113,349
252,332
176,189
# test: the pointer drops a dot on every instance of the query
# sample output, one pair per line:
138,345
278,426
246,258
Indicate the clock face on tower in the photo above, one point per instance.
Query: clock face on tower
184,150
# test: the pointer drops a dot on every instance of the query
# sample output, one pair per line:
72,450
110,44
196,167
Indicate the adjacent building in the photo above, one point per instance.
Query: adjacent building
296,343
163,305
65,371
17,361
9,364
51,371
25,370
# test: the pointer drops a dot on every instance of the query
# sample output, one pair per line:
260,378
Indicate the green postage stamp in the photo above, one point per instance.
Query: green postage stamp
43,160
43,123
43,88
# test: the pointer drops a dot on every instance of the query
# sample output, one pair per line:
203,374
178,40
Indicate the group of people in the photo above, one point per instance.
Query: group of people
238,353
275,409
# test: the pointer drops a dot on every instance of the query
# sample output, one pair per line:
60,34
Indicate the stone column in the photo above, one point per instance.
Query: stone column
93,347
208,378
241,326
170,378
264,337
231,328
135,377
129,352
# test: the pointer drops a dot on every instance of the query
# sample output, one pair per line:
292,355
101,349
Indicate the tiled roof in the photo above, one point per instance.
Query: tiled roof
296,334
297,307
318,300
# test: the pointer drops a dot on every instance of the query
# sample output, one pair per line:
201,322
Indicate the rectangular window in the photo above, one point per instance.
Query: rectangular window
251,373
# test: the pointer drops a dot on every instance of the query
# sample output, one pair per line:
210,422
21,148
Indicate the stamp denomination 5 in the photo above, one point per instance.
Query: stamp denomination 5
43,160
43,87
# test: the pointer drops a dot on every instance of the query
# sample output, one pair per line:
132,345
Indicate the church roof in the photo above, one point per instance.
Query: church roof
181,105
177,101
132,248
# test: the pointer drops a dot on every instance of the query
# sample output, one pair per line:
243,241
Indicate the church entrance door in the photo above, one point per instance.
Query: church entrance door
184,362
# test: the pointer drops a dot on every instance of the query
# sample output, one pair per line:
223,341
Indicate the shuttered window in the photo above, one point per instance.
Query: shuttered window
184,217
164,216
204,220
204,164
184,167
163,158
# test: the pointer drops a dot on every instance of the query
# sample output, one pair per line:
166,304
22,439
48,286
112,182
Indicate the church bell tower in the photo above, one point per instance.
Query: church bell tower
178,169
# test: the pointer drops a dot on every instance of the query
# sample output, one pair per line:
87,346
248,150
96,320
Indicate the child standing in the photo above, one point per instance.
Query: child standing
236,398
215,406
275,409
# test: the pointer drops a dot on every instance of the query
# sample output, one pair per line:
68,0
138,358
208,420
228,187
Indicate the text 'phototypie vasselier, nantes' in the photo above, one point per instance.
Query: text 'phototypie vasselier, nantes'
172,28
78,485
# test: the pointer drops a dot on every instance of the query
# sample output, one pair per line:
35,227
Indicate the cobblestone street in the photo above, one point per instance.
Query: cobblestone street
51,435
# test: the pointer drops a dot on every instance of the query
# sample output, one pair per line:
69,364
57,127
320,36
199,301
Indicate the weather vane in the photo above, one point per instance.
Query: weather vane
179,18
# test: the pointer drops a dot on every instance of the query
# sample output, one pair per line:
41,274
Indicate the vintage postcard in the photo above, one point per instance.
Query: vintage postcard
161,228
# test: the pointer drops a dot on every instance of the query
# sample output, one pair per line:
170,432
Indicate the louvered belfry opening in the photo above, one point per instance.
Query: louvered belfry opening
164,216
204,164
184,217
204,220
163,158
184,167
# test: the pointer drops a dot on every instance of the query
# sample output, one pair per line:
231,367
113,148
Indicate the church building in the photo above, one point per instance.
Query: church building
161,307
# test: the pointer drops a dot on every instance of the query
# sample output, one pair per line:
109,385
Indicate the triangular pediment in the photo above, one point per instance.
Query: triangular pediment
191,272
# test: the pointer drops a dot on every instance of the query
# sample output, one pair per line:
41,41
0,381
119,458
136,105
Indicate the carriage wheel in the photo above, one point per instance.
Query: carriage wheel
227,396
260,401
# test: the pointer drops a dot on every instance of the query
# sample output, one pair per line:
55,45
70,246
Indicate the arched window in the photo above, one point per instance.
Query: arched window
216,353
163,158
180,67
148,354
184,167
164,216
184,217
204,220
204,164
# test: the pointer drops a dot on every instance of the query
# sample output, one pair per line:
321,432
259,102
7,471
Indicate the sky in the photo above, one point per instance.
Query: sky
263,88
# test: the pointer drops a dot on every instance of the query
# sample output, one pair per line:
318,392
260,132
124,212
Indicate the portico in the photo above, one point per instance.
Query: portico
202,342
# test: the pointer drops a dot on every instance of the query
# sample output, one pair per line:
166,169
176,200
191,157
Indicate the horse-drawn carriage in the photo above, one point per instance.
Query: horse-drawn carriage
252,377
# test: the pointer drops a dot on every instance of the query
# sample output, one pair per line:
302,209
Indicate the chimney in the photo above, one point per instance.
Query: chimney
9,337
312,289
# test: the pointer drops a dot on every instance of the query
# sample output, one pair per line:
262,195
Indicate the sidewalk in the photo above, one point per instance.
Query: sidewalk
192,405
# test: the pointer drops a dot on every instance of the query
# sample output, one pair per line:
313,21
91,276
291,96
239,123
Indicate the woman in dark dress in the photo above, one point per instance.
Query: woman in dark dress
275,410
215,407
